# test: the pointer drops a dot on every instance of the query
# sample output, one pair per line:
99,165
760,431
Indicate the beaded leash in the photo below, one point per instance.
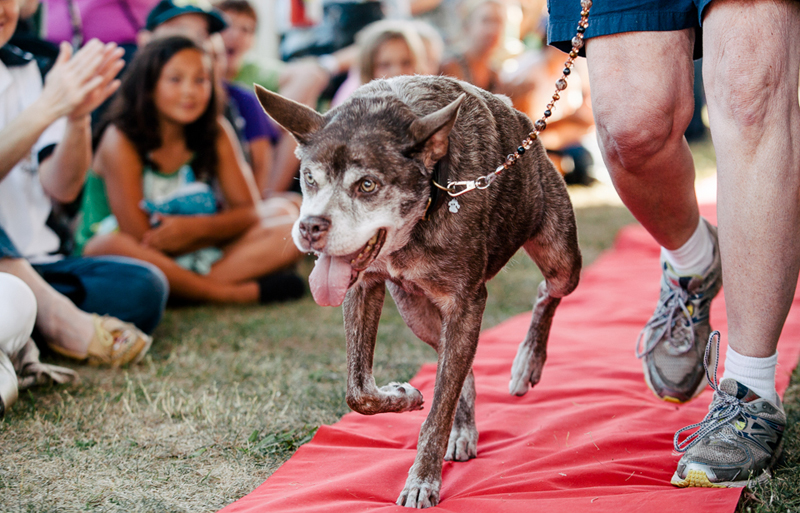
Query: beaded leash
482,182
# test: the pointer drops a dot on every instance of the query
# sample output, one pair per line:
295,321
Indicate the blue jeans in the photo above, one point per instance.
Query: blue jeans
124,288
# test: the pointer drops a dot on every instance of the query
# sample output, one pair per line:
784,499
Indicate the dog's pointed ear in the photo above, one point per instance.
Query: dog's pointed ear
299,120
431,134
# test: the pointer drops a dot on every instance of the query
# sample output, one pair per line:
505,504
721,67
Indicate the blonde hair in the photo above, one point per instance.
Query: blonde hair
371,37
468,7
432,42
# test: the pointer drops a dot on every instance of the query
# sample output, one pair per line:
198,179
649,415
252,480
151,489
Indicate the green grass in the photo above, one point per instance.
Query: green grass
226,395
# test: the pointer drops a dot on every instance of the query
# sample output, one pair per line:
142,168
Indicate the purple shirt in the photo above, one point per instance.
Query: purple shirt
110,21
256,123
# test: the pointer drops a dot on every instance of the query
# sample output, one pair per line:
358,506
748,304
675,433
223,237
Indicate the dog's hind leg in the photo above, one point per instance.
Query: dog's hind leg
555,251
425,321
362,311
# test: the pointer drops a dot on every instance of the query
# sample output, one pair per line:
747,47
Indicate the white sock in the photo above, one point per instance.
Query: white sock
757,374
694,257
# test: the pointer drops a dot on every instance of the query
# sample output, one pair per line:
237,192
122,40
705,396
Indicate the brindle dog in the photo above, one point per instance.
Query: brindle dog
369,212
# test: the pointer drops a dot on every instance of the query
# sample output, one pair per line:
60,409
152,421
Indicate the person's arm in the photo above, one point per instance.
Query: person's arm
18,137
177,234
285,168
64,172
81,84
234,174
75,86
262,153
120,166
259,131
305,79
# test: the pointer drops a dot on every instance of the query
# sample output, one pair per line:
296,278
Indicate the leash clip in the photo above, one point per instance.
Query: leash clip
483,182
455,189
452,187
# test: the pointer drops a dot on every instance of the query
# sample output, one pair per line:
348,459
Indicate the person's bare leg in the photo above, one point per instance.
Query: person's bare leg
183,283
750,68
642,99
57,318
260,251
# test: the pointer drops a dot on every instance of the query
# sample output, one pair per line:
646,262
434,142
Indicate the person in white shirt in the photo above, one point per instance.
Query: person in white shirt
87,309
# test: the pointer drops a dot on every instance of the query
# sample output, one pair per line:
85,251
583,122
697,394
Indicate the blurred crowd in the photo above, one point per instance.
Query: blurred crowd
137,167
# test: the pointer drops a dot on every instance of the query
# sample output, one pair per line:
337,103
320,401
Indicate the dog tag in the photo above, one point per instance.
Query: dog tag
454,206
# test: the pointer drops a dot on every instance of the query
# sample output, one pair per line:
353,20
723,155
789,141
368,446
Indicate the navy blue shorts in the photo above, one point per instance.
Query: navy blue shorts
608,17
125,288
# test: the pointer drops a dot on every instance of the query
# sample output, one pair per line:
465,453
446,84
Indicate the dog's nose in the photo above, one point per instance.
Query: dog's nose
314,229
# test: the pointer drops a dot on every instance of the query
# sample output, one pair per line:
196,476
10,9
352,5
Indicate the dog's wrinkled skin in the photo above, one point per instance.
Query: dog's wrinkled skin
366,169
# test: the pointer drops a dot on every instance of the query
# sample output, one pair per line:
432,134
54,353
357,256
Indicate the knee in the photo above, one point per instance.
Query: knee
281,236
109,244
17,313
631,135
741,92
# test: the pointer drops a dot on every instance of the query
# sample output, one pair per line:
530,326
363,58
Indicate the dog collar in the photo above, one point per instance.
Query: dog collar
441,170
455,189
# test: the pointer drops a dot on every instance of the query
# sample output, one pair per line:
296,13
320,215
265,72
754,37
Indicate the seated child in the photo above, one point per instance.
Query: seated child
386,49
170,186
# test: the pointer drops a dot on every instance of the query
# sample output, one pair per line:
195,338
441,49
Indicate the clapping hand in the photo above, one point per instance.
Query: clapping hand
77,84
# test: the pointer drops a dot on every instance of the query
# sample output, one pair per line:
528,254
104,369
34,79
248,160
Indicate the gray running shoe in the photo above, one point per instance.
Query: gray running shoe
736,444
673,341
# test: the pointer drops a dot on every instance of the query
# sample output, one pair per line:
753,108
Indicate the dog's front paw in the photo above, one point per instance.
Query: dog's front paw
403,397
526,370
419,493
463,443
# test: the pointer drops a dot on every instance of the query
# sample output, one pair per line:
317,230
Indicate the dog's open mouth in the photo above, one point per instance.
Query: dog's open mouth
333,275
369,252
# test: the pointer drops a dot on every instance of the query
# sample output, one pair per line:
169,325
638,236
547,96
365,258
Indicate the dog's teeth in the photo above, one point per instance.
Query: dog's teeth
367,250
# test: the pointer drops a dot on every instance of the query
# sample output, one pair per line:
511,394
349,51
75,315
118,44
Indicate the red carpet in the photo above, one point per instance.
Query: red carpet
590,437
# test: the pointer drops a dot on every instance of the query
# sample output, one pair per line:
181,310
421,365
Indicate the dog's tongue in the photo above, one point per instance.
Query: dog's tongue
329,280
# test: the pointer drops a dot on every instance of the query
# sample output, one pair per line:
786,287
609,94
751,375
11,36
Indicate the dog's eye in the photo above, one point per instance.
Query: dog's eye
310,179
368,185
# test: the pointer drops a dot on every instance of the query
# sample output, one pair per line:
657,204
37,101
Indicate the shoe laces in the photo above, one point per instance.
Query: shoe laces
674,304
724,407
